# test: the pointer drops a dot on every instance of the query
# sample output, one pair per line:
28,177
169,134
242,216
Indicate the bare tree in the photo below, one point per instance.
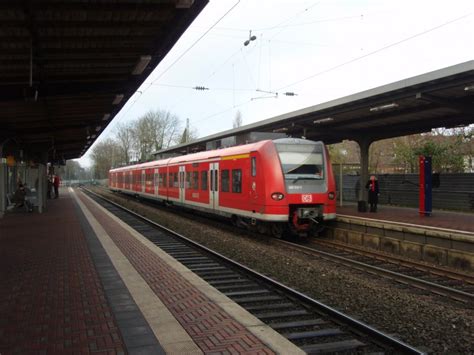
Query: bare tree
72,171
125,137
102,156
154,131
237,120
146,132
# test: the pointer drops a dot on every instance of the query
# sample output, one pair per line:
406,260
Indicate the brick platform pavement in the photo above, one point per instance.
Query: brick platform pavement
210,327
51,296
458,221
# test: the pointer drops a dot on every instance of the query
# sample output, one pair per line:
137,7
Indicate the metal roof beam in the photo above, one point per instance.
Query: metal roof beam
453,104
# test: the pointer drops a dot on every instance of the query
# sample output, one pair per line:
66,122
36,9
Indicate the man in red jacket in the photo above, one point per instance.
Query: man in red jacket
56,182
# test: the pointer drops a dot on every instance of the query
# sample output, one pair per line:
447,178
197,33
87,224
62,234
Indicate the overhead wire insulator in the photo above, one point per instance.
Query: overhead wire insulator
200,88
289,93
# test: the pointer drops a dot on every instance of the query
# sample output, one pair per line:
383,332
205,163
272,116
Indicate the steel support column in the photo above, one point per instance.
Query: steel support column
3,185
364,145
41,187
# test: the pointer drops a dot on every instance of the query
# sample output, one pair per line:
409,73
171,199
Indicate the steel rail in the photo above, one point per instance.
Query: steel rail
400,261
377,335
405,224
409,280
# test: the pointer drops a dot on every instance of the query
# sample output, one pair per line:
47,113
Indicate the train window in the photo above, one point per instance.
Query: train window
214,180
301,161
196,180
225,180
175,180
237,180
160,180
254,166
149,179
164,179
204,180
188,180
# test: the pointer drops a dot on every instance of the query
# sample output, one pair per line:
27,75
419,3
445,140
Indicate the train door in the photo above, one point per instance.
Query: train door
214,185
182,185
253,180
156,182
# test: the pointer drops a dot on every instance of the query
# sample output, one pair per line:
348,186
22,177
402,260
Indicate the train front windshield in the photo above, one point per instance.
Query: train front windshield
303,167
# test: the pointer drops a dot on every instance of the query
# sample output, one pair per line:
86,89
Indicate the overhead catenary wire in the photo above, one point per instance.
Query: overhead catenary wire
195,42
167,69
297,15
298,81
189,48
352,60
376,51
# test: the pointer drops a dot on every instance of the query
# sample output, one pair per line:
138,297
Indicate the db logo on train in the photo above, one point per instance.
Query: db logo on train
306,198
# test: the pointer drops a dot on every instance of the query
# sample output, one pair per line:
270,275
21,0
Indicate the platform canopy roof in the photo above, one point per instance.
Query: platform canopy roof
442,98
68,67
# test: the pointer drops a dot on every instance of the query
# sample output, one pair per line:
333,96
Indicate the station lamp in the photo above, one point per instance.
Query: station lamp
323,120
383,107
117,99
141,64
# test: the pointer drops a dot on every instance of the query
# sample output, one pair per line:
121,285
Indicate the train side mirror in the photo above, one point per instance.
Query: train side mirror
435,180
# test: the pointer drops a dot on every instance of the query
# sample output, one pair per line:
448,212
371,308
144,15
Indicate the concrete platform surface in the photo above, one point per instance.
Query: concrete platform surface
75,279
449,220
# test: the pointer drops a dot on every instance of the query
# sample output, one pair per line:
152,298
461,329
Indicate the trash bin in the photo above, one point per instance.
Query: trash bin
362,206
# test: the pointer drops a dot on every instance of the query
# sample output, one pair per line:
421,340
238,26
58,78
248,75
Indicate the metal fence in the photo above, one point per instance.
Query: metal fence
455,192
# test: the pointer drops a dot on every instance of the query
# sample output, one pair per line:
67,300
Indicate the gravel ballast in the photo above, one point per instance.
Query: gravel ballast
427,322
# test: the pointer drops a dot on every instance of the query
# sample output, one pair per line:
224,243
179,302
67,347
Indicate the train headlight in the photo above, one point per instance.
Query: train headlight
277,196
331,195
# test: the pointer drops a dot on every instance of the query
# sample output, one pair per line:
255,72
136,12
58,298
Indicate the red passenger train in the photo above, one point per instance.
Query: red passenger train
274,185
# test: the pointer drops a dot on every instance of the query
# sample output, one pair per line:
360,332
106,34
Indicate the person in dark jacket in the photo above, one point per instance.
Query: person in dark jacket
19,196
373,186
50,186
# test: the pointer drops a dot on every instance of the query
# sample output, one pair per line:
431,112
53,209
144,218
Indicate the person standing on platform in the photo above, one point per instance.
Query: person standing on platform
56,182
373,186
50,186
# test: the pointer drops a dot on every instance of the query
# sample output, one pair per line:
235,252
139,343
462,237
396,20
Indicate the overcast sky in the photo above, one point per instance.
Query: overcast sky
319,50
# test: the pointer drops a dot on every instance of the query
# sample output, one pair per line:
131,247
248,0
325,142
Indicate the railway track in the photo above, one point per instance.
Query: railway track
427,278
309,324
423,277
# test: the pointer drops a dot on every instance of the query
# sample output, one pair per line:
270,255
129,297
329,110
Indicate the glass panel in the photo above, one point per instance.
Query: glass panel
254,166
195,180
301,161
204,180
216,181
188,180
160,180
225,180
237,180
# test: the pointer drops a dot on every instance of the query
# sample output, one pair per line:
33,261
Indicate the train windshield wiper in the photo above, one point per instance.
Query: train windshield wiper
304,178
